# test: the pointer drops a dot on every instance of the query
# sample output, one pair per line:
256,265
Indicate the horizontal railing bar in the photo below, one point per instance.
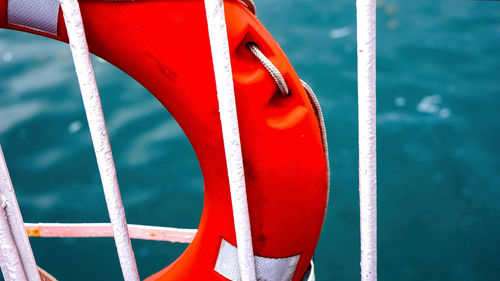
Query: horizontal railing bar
93,230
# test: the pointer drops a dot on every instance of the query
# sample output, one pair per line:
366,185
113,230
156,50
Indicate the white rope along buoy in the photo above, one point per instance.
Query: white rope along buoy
322,126
250,5
367,105
100,139
15,223
219,45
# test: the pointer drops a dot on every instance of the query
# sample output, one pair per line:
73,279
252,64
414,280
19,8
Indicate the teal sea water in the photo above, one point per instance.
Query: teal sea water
438,142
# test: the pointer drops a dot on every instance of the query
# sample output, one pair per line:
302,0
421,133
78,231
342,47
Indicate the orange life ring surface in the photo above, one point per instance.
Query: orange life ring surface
164,45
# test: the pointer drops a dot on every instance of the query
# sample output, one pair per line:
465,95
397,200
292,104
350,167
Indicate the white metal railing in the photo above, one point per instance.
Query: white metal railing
217,32
92,230
225,92
12,267
100,139
15,224
15,253
367,109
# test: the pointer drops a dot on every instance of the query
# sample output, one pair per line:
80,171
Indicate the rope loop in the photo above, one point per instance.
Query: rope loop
271,68
250,5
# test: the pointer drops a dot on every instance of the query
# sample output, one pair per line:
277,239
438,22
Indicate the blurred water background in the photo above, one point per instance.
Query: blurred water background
438,142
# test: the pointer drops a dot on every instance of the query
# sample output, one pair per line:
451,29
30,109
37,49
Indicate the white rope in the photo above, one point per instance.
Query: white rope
229,120
16,223
322,126
366,15
270,67
100,139
250,5
12,267
91,230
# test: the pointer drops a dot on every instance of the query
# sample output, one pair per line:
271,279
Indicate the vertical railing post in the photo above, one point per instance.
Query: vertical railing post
217,32
99,134
366,33
12,267
16,223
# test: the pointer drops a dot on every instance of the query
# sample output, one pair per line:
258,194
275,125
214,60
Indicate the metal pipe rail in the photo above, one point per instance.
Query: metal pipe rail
100,139
11,220
367,110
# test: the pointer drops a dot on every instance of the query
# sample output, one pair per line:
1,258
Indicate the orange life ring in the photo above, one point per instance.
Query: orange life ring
164,45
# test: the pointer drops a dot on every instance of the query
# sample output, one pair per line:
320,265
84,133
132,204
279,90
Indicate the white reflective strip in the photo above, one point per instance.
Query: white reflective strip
219,45
267,269
99,134
88,230
39,15
16,222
